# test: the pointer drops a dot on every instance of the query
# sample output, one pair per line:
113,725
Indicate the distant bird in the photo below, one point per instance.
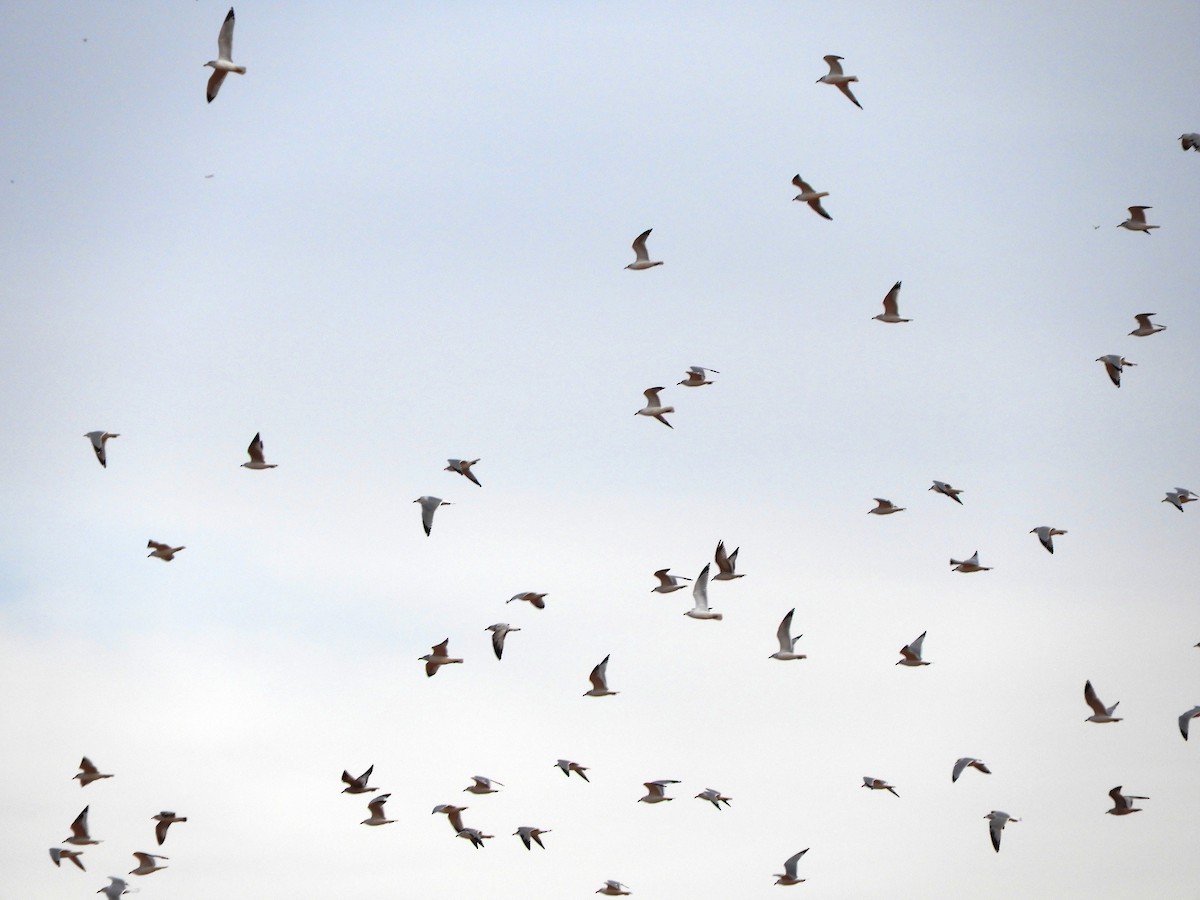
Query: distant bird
942,488
257,460
499,631
696,376
438,658
969,762
1137,220
88,773
787,643
999,820
1101,714
656,791
99,439
1190,141
453,813
599,680
568,767
1114,365
428,506
840,81
878,784
146,863
1186,719
377,817
475,836
811,197
1046,535
358,785
1122,805
1178,497
614,889
1145,326
668,583
654,407
116,887
60,853
164,552
463,467
223,64
891,307
643,256
165,820
713,796
79,831
886,507
534,599
789,870
530,834
969,565
912,653
725,564
482,785
700,598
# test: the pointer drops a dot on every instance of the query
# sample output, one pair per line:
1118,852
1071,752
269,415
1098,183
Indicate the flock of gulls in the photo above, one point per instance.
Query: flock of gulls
911,654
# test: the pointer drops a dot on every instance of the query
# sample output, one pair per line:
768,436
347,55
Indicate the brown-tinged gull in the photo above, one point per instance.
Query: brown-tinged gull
257,460
878,784
1145,326
165,552
1122,803
358,785
668,583
438,658
789,870
463,468
377,816
891,307
912,653
1137,220
88,773
599,680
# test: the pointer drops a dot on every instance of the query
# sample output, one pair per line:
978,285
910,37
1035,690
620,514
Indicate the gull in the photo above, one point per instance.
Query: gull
568,767
475,836
79,831
164,552
614,889
999,820
891,310
1190,141
878,784
643,257
725,564
99,439
969,565
499,630
789,869
116,887
165,820
1114,365
700,597
600,681
1145,326
1121,802
1137,220
223,64
257,460
1046,535
528,833
438,658
428,506
463,468
654,406
1101,714
811,197
1178,497
695,376
713,796
60,853
358,785
482,785
1186,719
787,643
451,812
912,653
656,791
942,488
885,507
969,762
840,81
377,816
668,583
146,863
88,773
533,598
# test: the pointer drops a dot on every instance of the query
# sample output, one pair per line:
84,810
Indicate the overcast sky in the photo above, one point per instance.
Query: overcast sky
411,247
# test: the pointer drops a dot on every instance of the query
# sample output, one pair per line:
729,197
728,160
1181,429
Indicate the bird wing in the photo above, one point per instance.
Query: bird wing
835,64
1185,720
802,184
498,641
1119,800
844,87
79,827
1138,214
959,766
891,305
442,648
784,633
816,207
790,864
995,827
722,559
256,449
651,395
639,246
214,83
225,38
1089,696
86,765
700,589
597,678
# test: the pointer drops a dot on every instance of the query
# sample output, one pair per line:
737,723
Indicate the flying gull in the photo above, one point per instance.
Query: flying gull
789,870
428,506
88,773
1114,365
969,565
885,507
60,853
438,658
969,762
1046,535
700,598
358,785
530,835
713,796
787,643
223,64
257,460
377,816
878,784
643,257
696,376
999,820
1101,714
1145,326
656,791
1137,220
942,488
79,831
568,767
811,197
463,467
146,863
165,820
99,439
912,653
891,307
499,630
599,679
1122,805
654,407
839,80
668,583
164,552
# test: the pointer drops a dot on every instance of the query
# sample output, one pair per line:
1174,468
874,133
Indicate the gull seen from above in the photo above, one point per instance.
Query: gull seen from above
146,863
1101,714
643,260
116,887
223,64
99,439
654,407
452,813
530,835
787,643
463,468
568,767
58,854
475,836
1178,497
614,889
1190,141
838,79
891,307
534,599
942,488
811,197
713,796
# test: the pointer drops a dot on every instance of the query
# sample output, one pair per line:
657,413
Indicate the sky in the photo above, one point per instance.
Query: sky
411,248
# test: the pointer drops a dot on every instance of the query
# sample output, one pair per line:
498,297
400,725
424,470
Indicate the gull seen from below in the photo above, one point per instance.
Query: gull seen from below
146,863
1190,141
1114,365
99,439
530,835
599,680
643,260
223,64
116,887
811,197
165,552
1186,719
668,583
878,784
996,827
942,488
1122,803
1178,497
838,79
88,773
452,813
1101,714
463,468
700,598
912,653
656,791
377,816
429,506
891,307
568,767
58,854
165,820
475,836
1046,535
969,565
614,889
789,870
725,563
654,407
482,785
713,796
968,762
787,643
79,831
534,599
358,785
499,631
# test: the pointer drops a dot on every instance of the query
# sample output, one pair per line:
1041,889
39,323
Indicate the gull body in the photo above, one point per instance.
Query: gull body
668,583
88,773
377,816
654,407
811,197
530,835
536,600
725,563
79,831
257,460
1114,365
713,796
787,643
999,820
1186,719
1122,803
969,762
1190,141
58,854
885,507
223,64
891,307
452,813
165,552
499,631
969,565
146,863
99,439
614,889
656,791
643,260
438,658
878,784
429,505
1137,220
700,598
1046,535
942,488
696,376
838,79
358,785
599,680
912,653
789,870
475,836
1145,326
463,468
482,785
116,887
165,820
568,767
1101,714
